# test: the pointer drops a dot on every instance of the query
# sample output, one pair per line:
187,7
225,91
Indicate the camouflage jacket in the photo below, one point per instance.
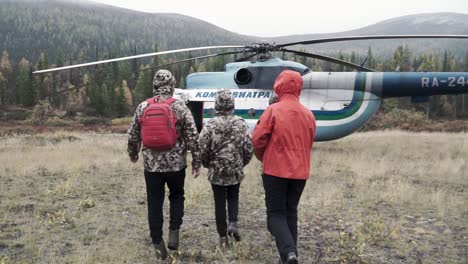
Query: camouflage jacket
226,147
174,159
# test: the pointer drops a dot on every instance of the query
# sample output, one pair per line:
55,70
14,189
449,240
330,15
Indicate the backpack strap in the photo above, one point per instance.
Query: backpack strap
170,100
151,100
155,99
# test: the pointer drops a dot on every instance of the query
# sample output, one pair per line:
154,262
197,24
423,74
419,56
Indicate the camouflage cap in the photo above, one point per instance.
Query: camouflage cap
163,83
224,102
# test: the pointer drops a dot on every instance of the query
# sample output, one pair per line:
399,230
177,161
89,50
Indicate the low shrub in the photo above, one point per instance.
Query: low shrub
121,121
90,120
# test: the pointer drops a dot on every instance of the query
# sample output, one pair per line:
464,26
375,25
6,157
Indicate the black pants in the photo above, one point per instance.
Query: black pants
155,190
221,194
282,197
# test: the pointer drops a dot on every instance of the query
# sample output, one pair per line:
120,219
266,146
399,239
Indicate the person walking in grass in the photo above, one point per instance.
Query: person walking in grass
282,140
164,164
226,147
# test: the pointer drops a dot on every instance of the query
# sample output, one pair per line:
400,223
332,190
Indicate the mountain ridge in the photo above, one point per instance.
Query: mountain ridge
99,30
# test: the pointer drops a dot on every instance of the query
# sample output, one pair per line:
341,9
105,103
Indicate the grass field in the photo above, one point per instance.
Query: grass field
376,197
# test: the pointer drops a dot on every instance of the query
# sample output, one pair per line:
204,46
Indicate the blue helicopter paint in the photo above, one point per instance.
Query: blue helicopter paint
341,101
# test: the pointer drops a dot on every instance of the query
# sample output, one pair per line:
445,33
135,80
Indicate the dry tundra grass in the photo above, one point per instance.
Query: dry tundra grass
377,197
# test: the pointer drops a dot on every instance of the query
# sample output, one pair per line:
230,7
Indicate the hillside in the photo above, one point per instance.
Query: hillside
85,30
86,26
430,23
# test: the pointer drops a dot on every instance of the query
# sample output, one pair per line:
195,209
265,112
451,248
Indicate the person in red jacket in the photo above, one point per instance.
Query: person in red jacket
282,140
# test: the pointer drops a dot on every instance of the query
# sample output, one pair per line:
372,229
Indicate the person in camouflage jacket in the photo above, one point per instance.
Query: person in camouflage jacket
166,167
226,147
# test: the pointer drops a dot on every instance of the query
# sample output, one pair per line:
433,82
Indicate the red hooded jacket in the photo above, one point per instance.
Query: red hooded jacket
284,134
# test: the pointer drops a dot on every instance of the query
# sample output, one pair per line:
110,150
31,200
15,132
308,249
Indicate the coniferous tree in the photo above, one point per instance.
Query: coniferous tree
3,89
97,98
370,58
182,82
25,95
43,62
340,67
144,87
354,58
39,79
7,72
121,108
445,62
406,59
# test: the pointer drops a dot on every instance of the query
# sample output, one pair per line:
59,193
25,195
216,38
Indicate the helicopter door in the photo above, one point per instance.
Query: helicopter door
197,111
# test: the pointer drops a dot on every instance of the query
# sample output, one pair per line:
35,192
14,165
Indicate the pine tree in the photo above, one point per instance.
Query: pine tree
353,58
370,58
157,60
110,99
43,62
445,62
59,58
3,89
406,59
182,82
5,65
97,98
128,94
144,87
396,63
121,107
6,71
25,91
39,79
340,67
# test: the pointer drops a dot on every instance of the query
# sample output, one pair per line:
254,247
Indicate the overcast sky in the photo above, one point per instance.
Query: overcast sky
276,18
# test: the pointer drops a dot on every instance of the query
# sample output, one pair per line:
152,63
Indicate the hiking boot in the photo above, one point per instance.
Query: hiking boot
224,242
291,258
160,249
233,231
173,243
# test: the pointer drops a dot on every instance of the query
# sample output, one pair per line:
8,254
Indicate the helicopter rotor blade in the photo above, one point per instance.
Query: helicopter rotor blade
191,59
337,39
138,56
329,59
158,66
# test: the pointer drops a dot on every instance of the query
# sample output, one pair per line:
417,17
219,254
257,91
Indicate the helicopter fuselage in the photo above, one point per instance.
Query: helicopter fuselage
341,101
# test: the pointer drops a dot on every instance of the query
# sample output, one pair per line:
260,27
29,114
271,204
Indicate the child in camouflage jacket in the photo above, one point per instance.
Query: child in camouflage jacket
226,147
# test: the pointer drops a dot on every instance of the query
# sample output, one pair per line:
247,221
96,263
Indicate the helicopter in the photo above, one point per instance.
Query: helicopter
341,102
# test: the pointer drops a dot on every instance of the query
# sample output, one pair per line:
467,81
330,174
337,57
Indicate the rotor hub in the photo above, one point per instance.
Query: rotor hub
262,48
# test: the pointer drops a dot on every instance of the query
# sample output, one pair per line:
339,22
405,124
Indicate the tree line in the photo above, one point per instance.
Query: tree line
113,90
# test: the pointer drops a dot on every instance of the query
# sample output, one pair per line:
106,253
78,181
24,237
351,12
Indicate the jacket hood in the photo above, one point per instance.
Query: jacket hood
224,102
288,82
163,83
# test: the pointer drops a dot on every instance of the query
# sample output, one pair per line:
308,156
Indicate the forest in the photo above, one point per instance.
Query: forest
38,35
114,90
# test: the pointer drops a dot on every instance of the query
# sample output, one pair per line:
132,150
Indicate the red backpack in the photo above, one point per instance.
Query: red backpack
158,130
